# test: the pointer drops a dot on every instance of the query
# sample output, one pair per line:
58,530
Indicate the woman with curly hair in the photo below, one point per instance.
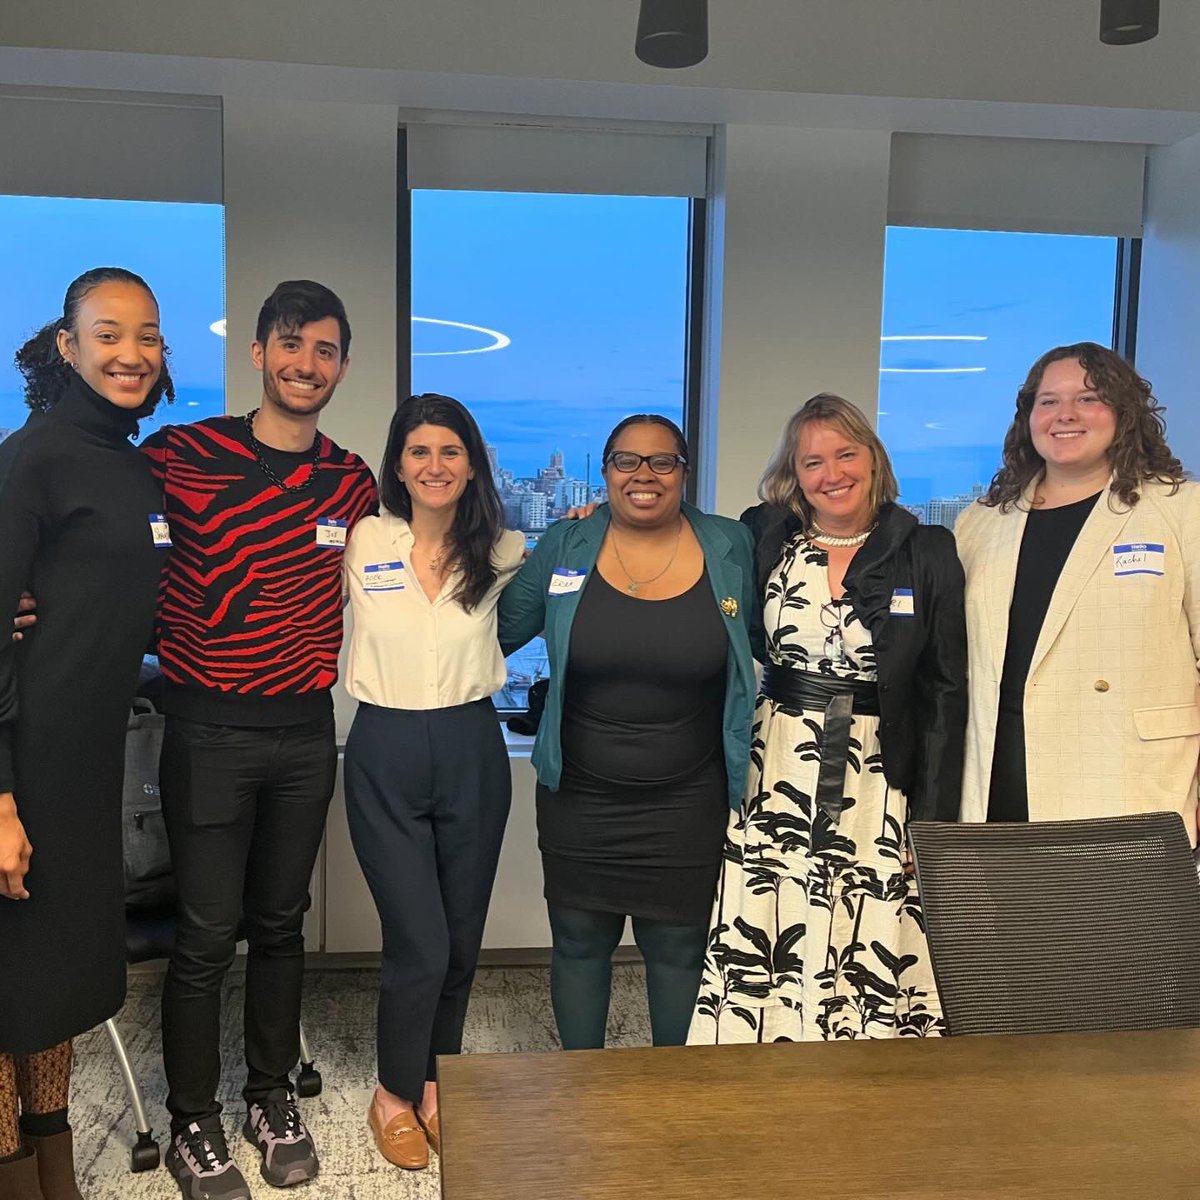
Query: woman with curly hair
80,526
1083,605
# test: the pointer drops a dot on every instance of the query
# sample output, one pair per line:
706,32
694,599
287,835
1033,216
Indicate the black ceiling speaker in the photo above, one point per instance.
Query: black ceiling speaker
1124,22
672,33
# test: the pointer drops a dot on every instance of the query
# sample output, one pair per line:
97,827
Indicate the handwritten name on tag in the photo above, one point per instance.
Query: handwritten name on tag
160,530
331,532
564,581
383,577
1140,558
902,603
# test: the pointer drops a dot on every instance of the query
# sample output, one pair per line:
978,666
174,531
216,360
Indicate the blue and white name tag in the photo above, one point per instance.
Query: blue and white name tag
160,531
1140,558
383,577
902,603
565,580
331,532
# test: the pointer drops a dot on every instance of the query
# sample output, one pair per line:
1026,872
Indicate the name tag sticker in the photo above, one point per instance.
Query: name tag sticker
1140,558
383,577
564,581
160,531
331,532
902,603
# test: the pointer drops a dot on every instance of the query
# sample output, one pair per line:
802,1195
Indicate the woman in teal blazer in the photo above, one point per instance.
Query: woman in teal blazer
646,607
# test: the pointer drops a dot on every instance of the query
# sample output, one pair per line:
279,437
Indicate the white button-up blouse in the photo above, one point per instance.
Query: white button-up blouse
407,651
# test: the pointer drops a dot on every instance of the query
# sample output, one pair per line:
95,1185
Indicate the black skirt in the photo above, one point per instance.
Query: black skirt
651,852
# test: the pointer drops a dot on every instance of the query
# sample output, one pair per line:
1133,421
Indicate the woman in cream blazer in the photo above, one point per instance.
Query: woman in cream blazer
1083,605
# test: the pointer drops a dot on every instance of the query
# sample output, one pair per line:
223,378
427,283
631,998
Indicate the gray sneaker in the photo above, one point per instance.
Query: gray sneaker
199,1160
276,1130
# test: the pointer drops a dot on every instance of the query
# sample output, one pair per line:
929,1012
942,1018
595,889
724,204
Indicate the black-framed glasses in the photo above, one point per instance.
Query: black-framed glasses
661,464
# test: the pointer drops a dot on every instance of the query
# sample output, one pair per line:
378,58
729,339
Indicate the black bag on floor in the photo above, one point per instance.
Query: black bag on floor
149,881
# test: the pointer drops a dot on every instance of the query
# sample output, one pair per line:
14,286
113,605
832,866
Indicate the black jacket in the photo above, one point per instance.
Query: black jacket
922,659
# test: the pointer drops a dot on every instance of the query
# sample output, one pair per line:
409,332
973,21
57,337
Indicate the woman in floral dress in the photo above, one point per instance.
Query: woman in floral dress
817,930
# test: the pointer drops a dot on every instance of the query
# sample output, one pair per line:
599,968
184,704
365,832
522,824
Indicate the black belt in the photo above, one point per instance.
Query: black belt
839,700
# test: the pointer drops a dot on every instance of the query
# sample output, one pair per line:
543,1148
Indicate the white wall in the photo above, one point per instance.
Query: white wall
1169,308
310,192
804,216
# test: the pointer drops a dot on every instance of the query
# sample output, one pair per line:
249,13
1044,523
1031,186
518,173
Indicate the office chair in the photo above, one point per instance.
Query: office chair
1057,926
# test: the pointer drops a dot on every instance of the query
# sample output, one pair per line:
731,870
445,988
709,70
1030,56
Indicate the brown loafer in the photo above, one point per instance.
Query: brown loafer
401,1142
433,1130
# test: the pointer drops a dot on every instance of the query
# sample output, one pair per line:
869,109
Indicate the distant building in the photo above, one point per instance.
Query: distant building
945,510
534,511
571,493
512,511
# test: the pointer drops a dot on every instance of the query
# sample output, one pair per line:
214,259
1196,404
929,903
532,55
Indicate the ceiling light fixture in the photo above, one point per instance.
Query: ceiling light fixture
1125,22
672,33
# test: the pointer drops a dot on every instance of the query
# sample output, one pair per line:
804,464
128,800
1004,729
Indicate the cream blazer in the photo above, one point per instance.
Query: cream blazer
1112,720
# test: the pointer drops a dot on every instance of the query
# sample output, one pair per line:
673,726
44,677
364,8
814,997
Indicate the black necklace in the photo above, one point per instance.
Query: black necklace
265,467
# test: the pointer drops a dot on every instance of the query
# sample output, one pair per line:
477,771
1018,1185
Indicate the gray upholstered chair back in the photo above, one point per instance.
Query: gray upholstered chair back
1062,925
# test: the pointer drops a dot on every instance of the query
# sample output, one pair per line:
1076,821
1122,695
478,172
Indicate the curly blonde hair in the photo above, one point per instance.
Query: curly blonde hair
779,484
1139,451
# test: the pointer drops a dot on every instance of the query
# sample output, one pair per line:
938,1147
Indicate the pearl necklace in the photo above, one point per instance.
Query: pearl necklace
817,534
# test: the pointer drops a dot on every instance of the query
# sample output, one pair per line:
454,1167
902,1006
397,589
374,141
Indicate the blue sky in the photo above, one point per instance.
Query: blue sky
1021,293
177,248
592,290
591,293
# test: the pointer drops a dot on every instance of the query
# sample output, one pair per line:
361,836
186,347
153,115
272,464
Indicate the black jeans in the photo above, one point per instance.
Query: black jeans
245,811
427,798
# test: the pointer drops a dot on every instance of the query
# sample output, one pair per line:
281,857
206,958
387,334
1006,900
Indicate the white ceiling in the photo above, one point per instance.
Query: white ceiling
1010,67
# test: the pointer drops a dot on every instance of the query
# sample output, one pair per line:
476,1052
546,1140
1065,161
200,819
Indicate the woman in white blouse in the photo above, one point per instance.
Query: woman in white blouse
427,779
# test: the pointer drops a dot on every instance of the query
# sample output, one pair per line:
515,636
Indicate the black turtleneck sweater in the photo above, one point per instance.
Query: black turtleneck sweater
75,504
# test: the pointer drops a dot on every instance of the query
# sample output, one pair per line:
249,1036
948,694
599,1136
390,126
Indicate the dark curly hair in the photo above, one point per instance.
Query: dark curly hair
296,303
479,518
47,373
1139,451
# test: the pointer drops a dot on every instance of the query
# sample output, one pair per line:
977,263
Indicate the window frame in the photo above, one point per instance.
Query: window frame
695,315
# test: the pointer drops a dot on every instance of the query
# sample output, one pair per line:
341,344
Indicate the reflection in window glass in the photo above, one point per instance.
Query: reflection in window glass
551,317
179,249
965,315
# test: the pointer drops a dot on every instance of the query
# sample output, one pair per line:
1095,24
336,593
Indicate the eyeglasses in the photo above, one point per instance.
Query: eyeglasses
661,464
835,643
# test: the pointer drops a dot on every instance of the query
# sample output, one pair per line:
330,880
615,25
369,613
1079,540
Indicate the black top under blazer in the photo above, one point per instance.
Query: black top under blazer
921,660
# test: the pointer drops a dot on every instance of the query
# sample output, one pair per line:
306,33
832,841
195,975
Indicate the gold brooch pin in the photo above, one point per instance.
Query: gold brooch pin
729,606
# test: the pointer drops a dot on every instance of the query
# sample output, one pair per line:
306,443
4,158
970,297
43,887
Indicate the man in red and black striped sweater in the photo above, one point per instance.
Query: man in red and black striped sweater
250,624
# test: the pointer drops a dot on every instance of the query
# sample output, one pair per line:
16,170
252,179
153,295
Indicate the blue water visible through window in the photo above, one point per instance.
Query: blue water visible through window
550,317
179,249
965,315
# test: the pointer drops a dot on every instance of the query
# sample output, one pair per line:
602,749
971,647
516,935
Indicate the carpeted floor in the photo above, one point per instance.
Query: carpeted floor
510,1011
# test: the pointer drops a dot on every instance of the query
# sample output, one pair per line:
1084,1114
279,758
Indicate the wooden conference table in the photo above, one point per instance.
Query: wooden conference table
1079,1115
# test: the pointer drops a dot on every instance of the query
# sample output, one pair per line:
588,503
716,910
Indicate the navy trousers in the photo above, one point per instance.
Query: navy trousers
427,799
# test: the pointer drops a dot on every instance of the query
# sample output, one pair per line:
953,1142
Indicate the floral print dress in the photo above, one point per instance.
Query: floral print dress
816,932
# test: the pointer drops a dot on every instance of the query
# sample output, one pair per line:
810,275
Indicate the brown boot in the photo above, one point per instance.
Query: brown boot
19,1179
55,1165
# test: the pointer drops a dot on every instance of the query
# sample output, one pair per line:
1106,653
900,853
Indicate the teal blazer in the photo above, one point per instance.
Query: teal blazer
526,609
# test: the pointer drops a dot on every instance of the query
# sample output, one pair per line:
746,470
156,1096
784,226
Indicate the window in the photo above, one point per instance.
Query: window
551,317
179,249
965,315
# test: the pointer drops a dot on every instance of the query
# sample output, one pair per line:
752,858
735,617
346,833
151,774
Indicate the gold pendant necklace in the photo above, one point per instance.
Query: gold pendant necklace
634,584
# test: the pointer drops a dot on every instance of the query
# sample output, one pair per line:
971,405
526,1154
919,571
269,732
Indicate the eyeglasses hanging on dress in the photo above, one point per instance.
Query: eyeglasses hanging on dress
835,639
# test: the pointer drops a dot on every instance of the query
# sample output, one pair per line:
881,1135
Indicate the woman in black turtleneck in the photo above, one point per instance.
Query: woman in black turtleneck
77,503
